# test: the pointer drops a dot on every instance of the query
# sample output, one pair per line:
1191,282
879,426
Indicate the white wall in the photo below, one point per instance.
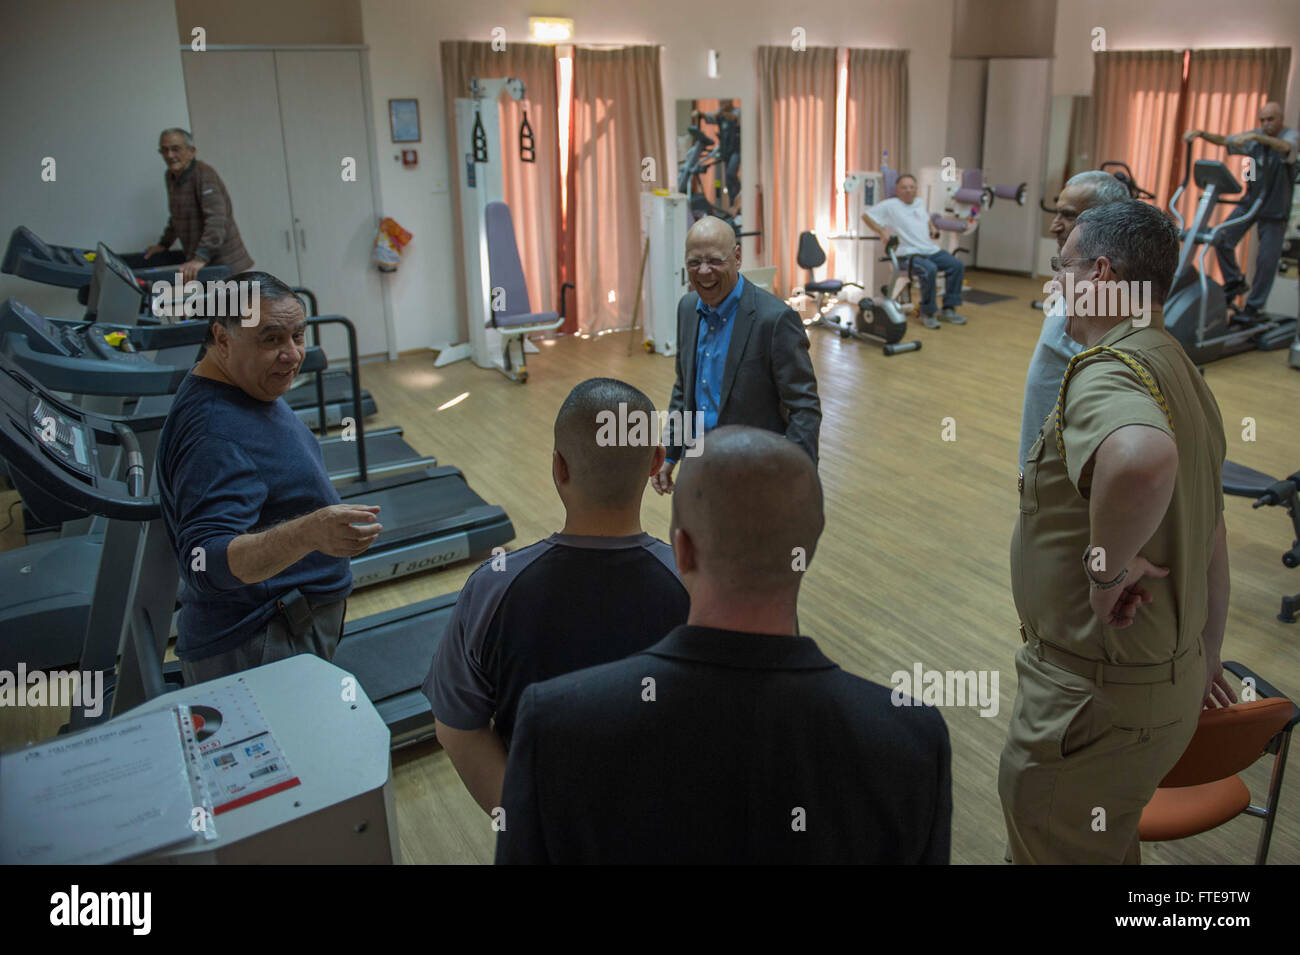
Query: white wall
1171,25
91,85
404,38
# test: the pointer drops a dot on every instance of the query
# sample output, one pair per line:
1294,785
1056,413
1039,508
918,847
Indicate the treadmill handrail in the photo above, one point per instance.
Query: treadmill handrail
354,367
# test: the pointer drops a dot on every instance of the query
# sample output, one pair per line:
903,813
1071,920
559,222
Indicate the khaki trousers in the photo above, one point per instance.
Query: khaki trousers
1083,759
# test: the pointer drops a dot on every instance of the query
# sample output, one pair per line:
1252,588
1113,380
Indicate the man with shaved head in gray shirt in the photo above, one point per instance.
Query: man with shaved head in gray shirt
597,591
733,739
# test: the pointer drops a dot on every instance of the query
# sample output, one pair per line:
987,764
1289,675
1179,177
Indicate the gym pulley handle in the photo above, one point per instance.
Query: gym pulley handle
527,147
480,136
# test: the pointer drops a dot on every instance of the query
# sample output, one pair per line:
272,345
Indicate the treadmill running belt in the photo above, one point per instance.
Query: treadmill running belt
391,652
422,503
338,390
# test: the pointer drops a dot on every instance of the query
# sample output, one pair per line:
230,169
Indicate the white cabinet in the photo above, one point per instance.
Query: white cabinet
282,127
664,222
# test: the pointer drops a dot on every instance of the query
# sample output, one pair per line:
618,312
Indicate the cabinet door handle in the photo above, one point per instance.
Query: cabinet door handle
302,238
288,241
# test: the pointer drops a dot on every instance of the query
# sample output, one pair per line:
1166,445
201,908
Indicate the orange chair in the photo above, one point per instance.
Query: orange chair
1203,789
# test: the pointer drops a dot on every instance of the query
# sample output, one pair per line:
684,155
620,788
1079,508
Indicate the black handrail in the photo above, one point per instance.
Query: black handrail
354,367
313,309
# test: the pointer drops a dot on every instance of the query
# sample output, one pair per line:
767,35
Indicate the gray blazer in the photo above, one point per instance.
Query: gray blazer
768,379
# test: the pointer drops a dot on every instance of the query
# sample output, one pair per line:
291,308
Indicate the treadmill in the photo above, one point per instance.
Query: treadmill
49,587
57,454
389,653
30,257
431,516
117,295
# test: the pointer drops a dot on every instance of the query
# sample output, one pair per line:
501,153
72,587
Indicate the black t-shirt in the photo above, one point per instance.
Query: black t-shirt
562,604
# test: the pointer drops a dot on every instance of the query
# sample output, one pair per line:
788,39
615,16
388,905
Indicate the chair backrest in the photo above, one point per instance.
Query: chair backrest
1227,740
504,268
810,254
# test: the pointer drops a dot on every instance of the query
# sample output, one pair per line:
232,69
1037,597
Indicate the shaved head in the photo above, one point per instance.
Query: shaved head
712,260
714,232
1270,118
610,475
746,503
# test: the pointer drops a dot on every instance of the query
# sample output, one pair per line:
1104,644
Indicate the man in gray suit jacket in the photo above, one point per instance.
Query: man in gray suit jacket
742,354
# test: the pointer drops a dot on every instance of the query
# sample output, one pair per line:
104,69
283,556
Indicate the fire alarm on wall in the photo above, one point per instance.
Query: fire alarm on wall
409,158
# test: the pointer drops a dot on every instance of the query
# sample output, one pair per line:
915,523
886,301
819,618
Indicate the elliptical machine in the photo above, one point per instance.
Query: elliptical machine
1196,310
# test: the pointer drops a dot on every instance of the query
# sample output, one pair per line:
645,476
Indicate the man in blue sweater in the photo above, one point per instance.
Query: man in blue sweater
262,538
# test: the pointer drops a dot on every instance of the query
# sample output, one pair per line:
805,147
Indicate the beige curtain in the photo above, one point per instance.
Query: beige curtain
618,111
532,190
796,116
1225,90
876,115
1135,101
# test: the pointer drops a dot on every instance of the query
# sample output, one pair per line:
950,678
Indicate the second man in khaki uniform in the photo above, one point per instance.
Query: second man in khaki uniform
1119,559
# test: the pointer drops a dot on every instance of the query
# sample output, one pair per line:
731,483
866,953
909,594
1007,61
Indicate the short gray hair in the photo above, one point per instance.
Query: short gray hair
1140,241
1102,187
189,140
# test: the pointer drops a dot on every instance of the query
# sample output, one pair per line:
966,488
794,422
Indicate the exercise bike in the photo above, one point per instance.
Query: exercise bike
1196,310
876,319
1267,491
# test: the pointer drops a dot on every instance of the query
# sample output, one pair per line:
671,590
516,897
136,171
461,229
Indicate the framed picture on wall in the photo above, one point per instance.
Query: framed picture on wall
404,117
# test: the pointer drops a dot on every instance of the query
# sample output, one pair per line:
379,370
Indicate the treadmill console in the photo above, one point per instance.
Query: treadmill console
41,334
64,439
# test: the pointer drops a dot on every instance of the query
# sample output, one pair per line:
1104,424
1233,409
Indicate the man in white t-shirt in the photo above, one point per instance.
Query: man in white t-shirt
910,221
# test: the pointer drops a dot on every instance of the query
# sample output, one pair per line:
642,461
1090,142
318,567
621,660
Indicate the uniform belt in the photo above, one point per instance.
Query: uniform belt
1099,671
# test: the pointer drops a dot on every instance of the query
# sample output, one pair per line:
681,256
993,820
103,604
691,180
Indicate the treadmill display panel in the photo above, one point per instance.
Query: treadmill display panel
63,438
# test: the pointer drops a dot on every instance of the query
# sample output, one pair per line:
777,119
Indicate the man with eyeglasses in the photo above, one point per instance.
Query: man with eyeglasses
201,213
742,355
1272,151
1119,561
1055,348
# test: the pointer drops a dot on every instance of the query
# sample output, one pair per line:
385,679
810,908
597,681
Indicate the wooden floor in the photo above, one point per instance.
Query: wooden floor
913,565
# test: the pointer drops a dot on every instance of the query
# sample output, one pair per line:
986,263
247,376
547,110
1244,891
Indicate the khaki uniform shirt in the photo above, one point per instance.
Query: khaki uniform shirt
1047,575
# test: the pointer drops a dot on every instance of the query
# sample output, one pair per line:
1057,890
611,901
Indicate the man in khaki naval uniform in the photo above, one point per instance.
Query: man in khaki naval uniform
1121,648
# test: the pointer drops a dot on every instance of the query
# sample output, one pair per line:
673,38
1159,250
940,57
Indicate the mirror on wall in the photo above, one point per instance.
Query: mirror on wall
708,157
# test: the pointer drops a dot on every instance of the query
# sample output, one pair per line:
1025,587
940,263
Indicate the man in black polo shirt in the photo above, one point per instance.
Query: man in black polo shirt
597,591
732,740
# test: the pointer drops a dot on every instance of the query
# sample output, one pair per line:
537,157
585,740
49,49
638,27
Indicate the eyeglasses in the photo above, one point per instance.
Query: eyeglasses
167,150
1059,263
694,265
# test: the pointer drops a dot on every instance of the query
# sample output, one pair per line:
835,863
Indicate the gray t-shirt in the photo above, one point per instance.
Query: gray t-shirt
1274,175
562,604
1047,367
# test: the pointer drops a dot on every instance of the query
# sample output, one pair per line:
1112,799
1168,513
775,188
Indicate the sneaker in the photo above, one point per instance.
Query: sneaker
1247,316
1233,289
931,321
948,315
